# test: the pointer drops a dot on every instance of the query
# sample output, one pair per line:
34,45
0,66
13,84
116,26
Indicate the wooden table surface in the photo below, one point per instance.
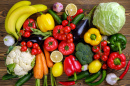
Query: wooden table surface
5,5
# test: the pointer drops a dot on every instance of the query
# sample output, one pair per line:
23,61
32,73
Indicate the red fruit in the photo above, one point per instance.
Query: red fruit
29,44
27,34
69,18
104,43
104,66
23,43
70,40
35,46
39,51
23,48
72,26
96,56
95,49
64,23
67,29
69,36
34,51
104,57
22,32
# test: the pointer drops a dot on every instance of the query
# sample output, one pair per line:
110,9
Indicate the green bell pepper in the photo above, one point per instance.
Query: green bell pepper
118,42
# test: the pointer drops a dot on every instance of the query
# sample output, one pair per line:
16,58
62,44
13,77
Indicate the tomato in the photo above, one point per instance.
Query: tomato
29,44
63,37
104,43
69,36
61,31
64,23
96,56
27,34
67,29
39,51
66,48
50,44
35,46
95,49
23,43
70,40
106,50
29,23
34,51
22,32
104,57
72,26
69,18
104,66
23,48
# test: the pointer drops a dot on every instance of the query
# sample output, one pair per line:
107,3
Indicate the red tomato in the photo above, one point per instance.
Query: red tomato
70,40
22,32
39,51
23,48
23,43
95,49
50,44
34,51
27,34
69,18
104,57
96,56
29,44
35,46
104,43
64,23
67,29
29,23
61,31
63,37
69,36
72,26
106,50
104,66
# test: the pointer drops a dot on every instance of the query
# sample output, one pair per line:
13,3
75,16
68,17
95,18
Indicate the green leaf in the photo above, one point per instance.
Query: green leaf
33,62
9,49
10,68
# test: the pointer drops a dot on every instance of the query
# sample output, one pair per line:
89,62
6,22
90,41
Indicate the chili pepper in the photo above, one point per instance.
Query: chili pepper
92,36
126,70
101,80
68,83
118,42
72,66
116,61
79,11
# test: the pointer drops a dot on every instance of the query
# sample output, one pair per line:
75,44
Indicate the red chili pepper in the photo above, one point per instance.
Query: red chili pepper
79,11
67,83
126,70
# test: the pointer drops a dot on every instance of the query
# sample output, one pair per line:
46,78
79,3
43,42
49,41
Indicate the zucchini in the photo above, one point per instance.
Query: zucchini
64,16
77,19
9,76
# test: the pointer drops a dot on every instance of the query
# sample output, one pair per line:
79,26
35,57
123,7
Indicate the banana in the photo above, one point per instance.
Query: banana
15,15
22,18
15,6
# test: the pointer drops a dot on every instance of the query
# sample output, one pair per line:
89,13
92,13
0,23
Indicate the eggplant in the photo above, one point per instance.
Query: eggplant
82,27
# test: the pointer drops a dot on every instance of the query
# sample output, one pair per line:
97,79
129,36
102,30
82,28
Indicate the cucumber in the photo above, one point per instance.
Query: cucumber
9,76
77,19
64,16
55,16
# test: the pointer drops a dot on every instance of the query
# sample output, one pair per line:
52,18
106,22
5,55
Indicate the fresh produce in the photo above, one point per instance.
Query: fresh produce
57,7
57,69
64,16
29,44
94,66
68,83
79,11
66,48
23,48
118,42
65,22
84,53
9,40
24,79
45,22
26,34
77,19
111,78
80,75
104,66
116,61
19,63
23,43
92,36
72,66
108,19
55,16
84,67
72,26
50,44
93,77
29,23
101,80
9,76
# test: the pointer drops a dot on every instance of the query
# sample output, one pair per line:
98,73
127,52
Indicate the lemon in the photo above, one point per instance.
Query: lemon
71,9
56,56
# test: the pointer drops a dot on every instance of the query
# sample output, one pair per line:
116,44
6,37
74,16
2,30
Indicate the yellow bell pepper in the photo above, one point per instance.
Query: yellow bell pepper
45,22
92,36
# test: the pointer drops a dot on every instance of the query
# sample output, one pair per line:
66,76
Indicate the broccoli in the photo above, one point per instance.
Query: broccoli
84,53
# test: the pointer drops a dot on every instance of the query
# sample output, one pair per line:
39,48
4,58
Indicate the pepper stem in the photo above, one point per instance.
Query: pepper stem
119,47
93,36
75,76
117,61
37,82
41,13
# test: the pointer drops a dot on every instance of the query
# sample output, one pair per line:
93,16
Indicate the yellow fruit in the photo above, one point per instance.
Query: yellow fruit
94,66
57,69
71,9
56,56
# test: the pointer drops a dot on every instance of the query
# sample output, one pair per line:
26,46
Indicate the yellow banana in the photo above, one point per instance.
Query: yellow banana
15,15
22,18
15,6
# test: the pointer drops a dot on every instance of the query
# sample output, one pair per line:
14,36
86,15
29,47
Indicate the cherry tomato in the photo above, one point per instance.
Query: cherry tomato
69,18
23,48
69,36
104,57
96,56
22,32
35,46
72,26
67,29
70,40
23,43
34,51
27,34
29,44
63,37
95,49
39,51
104,43
104,66
64,23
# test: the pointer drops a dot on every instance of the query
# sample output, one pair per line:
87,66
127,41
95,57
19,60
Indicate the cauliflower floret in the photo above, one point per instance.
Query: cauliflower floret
22,60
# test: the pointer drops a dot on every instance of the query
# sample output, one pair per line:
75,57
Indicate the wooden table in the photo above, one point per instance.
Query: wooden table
5,5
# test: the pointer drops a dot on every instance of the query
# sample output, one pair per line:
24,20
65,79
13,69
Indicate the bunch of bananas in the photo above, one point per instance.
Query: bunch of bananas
18,13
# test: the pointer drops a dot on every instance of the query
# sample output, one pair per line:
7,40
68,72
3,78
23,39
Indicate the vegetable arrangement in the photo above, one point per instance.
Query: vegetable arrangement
44,42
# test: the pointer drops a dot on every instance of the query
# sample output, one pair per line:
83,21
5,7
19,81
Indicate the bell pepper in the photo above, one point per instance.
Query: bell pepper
45,22
116,61
72,66
92,36
118,42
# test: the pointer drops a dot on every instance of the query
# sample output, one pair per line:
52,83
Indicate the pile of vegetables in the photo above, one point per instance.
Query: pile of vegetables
42,43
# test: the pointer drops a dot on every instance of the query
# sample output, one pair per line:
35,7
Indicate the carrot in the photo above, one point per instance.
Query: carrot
48,60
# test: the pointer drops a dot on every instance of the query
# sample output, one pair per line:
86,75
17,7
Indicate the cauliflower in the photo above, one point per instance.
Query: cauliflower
19,63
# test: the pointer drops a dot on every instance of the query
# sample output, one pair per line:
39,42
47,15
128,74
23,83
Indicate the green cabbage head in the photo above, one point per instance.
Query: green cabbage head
109,18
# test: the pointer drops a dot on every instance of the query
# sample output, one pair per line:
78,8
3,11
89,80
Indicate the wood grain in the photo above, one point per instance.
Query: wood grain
5,5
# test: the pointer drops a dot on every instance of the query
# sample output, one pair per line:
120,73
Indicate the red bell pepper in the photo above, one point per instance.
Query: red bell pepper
68,83
116,61
72,66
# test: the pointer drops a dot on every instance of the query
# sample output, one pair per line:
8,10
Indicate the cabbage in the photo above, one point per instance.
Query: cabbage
109,18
